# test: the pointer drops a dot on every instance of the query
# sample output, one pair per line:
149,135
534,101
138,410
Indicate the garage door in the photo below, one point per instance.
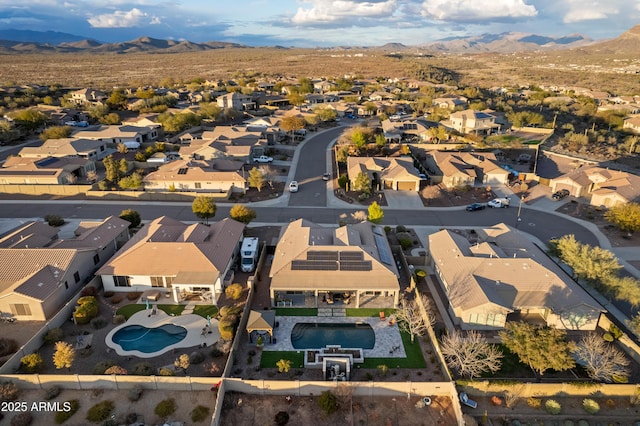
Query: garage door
406,186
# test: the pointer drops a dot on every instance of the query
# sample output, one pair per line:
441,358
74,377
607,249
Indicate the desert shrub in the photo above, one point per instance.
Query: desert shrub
590,406
166,372
53,335
115,369
63,416
387,229
216,353
282,418
199,413
102,366
342,181
54,220
420,273
552,406
131,418
100,411
610,403
98,323
230,311
22,419
165,408
226,327
7,346
88,291
32,363
86,310
108,294
116,299
135,393
142,369
196,358
534,402
119,319
52,392
406,243
9,391
133,295
328,402
401,228
234,291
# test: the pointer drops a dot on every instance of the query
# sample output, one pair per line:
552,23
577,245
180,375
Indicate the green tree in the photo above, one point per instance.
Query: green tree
242,213
381,141
204,207
99,111
117,99
133,181
29,119
111,119
375,213
292,123
256,179
541,348
131,216
111,169
32,363
359,139
56,132
325,113
625,216
362,183
328,402
295,98
284,365
210,110
64,355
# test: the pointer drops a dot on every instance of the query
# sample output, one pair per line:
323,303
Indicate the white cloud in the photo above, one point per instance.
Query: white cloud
325,11
471,10
588,10
118,19
155,20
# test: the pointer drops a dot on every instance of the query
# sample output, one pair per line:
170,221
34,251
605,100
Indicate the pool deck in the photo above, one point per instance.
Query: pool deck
387,336
197,331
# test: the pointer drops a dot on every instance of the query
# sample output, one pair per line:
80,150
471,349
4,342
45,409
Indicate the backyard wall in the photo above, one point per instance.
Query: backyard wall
525,390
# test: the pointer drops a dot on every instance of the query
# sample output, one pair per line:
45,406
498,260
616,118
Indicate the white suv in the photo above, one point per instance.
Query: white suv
293,186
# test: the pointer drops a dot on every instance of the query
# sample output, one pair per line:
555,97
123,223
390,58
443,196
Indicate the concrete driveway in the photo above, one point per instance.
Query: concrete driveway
403,200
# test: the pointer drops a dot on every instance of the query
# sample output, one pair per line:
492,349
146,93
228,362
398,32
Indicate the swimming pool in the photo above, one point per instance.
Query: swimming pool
307,335
148,340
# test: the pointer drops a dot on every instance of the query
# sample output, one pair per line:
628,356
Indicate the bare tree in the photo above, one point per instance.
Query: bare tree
359,216
411,319
602,361
470,354
512,395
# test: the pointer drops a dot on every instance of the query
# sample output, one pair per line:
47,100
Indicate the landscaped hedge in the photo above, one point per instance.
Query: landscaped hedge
86,310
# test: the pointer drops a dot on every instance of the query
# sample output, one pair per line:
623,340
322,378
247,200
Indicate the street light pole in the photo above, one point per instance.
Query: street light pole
519,211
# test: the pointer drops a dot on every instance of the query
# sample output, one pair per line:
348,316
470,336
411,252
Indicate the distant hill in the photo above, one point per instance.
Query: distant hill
508,42
626,43
38,37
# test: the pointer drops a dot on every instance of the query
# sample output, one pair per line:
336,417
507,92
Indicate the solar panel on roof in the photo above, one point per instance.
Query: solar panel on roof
362,265
322,255
183,171
351,255
385,255
314,265
46,161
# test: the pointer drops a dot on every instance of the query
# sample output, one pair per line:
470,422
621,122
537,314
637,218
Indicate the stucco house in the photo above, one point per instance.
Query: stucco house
450,102
502,276
465,168
121,133
317,266
84,97
603,187
632,124
385,173
472,121
178,261
230,142
236,100
68,147
45,171
219,176
47,271
398,129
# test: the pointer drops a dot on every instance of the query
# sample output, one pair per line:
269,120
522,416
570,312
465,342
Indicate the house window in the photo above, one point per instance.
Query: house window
169,281
76,277
66,285
157,282
198,185
96,259
121,281
20,309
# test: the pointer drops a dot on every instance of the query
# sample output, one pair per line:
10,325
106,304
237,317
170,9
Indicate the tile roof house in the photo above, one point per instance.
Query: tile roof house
45,271
45,171
197,176
465,168
632,124
602,186
385,173
450,102
353,263
472,121
503,276
121,133
67,147
231,142
177,259
88,97
398,129
236,100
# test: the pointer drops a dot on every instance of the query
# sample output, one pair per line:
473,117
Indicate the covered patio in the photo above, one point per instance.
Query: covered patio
261,323
190,287
327,298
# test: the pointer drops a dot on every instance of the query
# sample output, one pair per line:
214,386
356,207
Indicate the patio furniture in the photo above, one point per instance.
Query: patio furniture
464,398
382,316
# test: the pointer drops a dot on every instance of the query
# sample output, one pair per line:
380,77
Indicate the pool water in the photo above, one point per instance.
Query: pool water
307,335
148,340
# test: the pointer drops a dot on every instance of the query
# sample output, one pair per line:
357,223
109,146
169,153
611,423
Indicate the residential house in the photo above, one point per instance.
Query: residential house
219,176
236,100
632,124
45,171
603,187
47,271
385,173
68,147
450,102
230,142
471,121
120,134
454,169
322,266
501,276
88,97
397,130
179,261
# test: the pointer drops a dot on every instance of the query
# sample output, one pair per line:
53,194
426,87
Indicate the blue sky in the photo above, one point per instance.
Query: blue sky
310,23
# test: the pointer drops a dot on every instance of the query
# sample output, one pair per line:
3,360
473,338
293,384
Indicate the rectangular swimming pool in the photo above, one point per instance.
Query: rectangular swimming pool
306,335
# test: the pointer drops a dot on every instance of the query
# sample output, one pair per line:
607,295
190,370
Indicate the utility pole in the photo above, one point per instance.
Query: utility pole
519,211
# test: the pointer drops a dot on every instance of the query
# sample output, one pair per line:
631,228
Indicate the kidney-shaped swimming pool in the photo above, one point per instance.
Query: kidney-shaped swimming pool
307,335
148,340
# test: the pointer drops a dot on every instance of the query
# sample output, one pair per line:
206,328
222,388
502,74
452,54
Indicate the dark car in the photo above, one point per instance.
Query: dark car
475,206
559,195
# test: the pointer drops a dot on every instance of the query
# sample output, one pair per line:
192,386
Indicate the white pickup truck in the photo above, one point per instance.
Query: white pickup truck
499,202
263,159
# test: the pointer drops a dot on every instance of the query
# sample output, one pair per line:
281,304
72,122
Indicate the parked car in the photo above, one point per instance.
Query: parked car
559,195
499,203
71,123
475,206
293,186
326,176
263,159
83,124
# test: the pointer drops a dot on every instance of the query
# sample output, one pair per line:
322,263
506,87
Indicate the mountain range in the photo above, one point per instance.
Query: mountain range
23,41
